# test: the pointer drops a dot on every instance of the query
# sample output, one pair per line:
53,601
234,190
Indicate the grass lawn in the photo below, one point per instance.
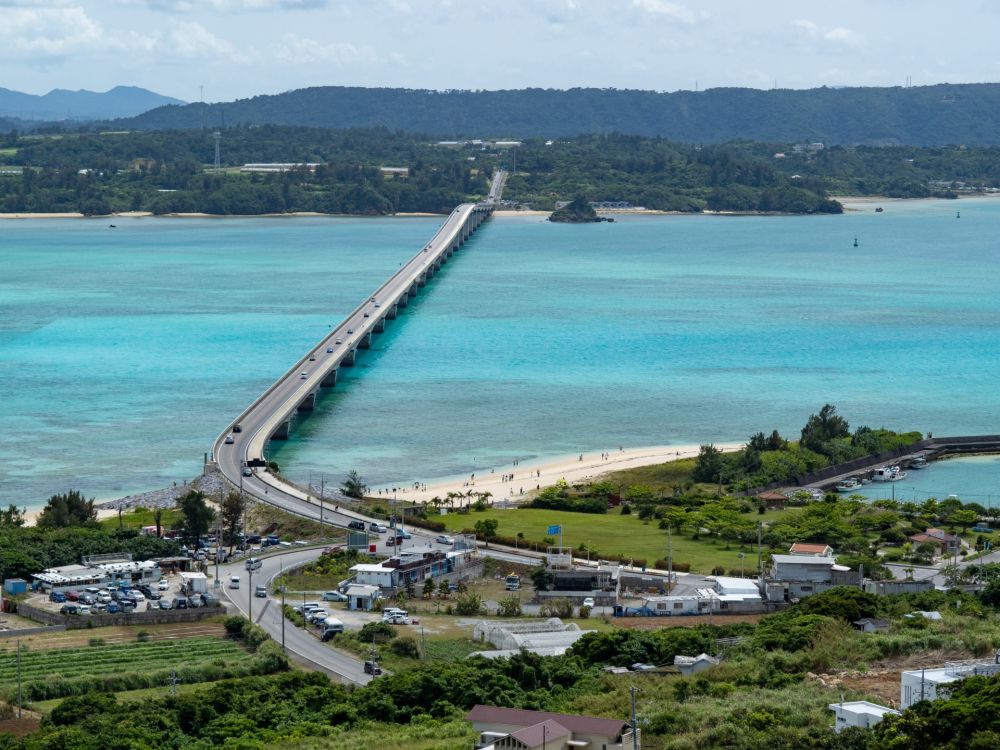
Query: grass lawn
615,534
129,696
8,151
139,517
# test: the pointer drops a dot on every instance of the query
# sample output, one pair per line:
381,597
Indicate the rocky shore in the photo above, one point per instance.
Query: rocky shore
210,484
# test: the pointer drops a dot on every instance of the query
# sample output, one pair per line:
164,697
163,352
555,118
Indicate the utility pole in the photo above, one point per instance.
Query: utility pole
218,137
19,678
282,579
670,560
322,531
250,593
635,726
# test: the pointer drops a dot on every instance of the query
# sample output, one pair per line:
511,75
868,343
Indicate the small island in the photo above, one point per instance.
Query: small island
577,211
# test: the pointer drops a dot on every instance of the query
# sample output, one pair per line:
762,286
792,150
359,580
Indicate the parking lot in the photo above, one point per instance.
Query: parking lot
166,594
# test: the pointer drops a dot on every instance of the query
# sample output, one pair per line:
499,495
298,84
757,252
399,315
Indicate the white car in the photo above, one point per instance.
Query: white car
444,539
163,585
589,602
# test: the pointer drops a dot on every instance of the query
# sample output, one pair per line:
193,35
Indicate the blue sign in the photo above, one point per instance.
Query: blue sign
554,530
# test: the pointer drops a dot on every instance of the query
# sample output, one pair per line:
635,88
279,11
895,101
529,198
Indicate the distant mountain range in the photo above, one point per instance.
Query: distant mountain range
924,115
60,104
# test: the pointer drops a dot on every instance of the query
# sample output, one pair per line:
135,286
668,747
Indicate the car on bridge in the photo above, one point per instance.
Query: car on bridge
329,350
247,471
237,428
304,375
230,440
350,330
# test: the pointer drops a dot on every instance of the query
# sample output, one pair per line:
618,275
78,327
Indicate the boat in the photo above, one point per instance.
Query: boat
855,242
888,474
918,463
848,485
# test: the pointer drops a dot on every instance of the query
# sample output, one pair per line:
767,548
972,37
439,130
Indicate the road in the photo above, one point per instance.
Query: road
244,441
301,645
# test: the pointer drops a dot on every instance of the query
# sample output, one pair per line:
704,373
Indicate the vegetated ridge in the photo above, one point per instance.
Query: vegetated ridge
61,104
922,115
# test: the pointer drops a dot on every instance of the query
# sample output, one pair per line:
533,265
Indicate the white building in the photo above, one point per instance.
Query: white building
858,714
194,583
930,684
688,665
362,598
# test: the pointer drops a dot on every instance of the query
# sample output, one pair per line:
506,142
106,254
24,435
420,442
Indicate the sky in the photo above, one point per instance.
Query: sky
227,49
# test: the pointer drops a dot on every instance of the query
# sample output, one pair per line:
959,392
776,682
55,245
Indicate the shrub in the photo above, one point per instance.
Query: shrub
556,608
509,606
469,604
142,636
406,646
584,611
380,632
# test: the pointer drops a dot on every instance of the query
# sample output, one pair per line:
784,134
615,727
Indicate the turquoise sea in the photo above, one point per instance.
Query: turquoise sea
124,351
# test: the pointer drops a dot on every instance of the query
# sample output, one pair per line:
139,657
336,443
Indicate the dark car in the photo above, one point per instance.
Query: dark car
372,668
113,608
69,609
163,604
237,428
358,525
57,596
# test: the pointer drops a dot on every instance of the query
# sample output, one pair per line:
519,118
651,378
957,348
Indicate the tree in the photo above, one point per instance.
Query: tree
158,520
12,516
68,510
708,465
542,578
469,604
487,529
233,507
428,588
197,516
822,428
353,485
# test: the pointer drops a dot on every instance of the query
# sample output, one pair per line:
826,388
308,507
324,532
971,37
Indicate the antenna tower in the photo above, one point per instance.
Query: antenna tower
218,137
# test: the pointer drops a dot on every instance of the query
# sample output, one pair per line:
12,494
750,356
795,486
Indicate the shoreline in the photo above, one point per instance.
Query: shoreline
530,474
195,215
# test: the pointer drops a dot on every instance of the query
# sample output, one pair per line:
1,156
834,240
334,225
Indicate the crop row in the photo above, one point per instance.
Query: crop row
185,644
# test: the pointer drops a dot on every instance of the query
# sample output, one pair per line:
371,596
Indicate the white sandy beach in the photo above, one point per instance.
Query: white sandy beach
527,476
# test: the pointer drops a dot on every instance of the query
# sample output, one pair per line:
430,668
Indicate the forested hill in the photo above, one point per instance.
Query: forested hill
925,115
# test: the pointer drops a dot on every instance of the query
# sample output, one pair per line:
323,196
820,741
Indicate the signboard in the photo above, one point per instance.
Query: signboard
554,530
357,540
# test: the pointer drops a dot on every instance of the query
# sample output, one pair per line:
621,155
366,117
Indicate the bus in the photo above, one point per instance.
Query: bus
512,582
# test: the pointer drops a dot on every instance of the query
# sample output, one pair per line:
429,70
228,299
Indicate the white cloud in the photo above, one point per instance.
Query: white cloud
673,11
192,41
224,6
296,50
47,33
839,35
844,36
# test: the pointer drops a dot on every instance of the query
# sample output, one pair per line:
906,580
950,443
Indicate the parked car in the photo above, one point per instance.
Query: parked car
69,609
372,668
209,600
87,599
163,604
334,596
83,609
98,608
589,602
194,602
57,596
317,615
126,605
180,603
112,608
72,596
104,597
163,585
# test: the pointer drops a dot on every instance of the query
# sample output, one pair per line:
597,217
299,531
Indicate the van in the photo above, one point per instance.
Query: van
357,525
306,606
254,563
234,582
260,591
330,627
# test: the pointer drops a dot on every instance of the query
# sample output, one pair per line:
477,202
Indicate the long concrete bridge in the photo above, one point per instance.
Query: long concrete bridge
240,451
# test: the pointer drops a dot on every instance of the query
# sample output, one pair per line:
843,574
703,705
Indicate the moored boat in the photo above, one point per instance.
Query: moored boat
848,485
888,474
918,463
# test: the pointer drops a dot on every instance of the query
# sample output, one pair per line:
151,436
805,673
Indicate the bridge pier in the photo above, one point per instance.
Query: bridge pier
308,403
379,325
390,314
330,380
412,291
282,432
348,360
421,281
404,300
365,342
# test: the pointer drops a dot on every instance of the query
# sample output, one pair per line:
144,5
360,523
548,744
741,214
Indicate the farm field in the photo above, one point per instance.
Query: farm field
59,672
613,534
